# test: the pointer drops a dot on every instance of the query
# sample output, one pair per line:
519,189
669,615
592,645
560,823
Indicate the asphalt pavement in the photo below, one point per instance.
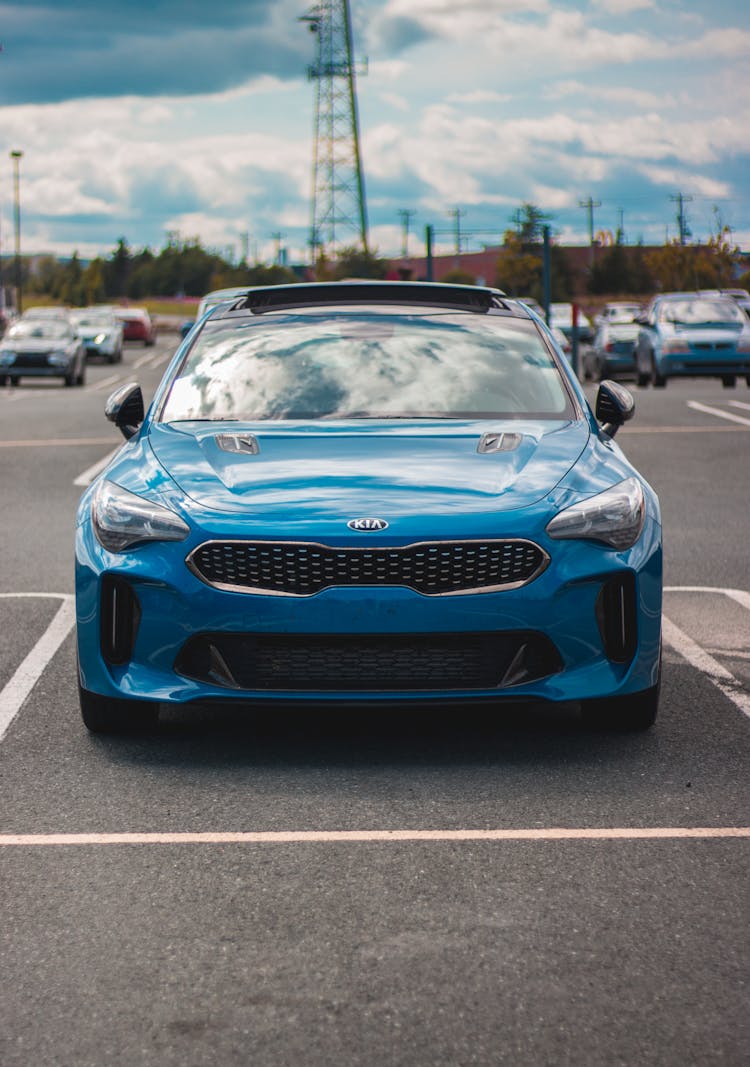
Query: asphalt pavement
396,888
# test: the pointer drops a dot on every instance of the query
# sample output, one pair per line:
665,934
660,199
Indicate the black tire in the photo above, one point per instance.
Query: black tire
111,715
81,376
69,380
658,380
3,380
15,381
643,380
729,381
747,379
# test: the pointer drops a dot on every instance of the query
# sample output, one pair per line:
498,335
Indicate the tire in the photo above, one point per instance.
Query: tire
729,381
636,711
81,376
112,715
657,380
15,381
69,380
643,380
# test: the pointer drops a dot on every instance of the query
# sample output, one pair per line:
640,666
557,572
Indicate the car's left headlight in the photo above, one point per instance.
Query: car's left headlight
59,358
100,338
614,517
122,519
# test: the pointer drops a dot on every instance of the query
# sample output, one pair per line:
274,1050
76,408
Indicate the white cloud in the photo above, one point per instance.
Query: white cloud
623,7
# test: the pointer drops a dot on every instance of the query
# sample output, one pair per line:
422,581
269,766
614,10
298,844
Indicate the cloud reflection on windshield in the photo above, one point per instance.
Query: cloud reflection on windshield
360,368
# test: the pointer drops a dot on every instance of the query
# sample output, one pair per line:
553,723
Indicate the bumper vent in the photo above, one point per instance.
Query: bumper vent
365,663
120,616
433,568
617,618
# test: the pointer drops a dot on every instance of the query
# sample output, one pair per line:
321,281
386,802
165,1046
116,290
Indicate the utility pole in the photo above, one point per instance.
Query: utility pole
620,239
589,205
406,215
457,215
339,211
278,237
16,156
681,200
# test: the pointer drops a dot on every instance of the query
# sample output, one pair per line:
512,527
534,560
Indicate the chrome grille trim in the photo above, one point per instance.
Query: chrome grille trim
369,555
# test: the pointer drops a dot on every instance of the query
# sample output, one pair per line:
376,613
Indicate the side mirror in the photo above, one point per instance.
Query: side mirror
614,406
641,319
125,409
186,327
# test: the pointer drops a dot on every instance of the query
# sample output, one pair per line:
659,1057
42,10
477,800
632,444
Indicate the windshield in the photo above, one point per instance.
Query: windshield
362,365
101,319
40,328
701,312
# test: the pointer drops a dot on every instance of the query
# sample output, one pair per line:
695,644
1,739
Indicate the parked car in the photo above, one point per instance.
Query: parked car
369,492
47,311
618,311
212,300
612,352
137,325
101,333
47,347
561,316
690,334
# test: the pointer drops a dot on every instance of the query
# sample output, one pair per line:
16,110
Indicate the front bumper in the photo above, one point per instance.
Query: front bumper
175,609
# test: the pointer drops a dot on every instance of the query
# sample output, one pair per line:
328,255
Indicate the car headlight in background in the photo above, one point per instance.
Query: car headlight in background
122,519
614,517
58,359
100,338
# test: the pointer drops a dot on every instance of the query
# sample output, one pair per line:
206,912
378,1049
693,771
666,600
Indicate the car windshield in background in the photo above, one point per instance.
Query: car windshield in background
47,329
99,319
342,366
701,312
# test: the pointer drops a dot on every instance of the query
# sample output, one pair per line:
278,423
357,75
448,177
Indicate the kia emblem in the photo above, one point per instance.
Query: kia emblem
367,524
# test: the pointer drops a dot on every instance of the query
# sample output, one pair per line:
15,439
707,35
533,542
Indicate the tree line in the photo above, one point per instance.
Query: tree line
186,268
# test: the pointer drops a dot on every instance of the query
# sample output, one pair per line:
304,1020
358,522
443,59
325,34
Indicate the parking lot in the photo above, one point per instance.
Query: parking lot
413,887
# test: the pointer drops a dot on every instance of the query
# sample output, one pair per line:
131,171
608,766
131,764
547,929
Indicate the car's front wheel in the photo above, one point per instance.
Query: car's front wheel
113,715
636,711
658,380
729,380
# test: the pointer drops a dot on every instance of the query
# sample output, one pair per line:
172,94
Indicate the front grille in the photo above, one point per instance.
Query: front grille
31,359
432,568
366,663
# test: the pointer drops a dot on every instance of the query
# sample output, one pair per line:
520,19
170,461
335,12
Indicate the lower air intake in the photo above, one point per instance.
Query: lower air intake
364,663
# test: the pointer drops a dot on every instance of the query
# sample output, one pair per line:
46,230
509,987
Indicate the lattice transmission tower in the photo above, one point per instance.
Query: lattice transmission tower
339,210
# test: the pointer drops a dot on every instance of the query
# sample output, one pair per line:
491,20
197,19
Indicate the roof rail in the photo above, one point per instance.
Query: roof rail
310,294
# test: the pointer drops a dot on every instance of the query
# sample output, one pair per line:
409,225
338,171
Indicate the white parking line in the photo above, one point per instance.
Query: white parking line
697,657
739,404
55,442
86,477
285,837
25,678
719,412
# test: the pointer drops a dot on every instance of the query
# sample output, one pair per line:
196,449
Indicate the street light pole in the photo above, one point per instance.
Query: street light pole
15,155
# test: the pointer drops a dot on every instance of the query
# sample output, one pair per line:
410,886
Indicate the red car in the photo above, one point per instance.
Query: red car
137,325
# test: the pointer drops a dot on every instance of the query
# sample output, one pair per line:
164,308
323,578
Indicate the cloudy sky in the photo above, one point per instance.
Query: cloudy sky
153,116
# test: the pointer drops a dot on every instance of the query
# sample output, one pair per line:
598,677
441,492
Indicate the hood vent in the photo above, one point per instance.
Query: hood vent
244,443
499,442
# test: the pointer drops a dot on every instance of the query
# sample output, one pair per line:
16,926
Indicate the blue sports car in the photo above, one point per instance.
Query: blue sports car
369,492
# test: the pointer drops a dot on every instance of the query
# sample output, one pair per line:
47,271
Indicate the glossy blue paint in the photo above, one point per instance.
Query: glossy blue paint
427,480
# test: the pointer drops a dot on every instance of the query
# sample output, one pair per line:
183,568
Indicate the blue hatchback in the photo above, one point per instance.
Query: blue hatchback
369,492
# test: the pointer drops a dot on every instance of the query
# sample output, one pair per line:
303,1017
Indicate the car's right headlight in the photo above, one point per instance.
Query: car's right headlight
614,517
122,519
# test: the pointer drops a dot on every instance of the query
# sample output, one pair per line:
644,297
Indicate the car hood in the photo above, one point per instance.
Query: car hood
725,331
355,469
36,344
